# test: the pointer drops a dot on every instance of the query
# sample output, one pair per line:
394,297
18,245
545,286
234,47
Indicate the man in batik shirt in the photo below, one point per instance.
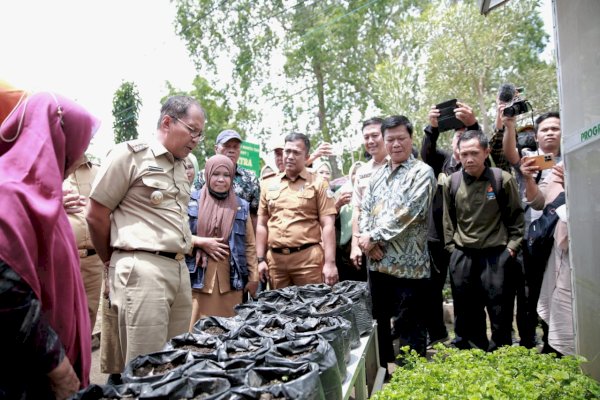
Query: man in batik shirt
393,235
245,182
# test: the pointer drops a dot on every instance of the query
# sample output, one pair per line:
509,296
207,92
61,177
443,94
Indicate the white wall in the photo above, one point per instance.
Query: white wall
577,29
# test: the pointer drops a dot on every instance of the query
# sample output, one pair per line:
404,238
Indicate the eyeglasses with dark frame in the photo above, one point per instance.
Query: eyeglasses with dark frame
191,130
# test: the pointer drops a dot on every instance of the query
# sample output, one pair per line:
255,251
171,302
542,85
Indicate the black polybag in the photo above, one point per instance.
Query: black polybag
315,349
206,388
334,305
125,391
228,326
333,329
308,293
270,326
180,359
278,296
255,309
199,346
362,304
233,370
250,349
302,382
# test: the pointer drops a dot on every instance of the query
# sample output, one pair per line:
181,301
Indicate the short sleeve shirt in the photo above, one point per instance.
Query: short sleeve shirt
363,176
80,182
148,192
294,207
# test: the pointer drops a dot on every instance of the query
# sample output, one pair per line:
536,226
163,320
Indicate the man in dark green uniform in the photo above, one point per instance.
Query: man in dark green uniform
483,229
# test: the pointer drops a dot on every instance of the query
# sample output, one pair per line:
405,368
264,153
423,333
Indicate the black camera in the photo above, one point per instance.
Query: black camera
517,107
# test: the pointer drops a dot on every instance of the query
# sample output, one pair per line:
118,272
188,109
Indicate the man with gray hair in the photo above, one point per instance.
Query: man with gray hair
137,218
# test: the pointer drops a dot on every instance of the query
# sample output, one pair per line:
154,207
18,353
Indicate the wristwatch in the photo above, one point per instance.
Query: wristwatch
500,130
260,259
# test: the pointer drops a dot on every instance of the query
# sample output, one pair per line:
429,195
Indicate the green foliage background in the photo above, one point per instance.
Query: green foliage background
327,64
126,107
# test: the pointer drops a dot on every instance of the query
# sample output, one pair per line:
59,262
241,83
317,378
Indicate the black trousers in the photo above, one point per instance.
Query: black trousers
434,316
402,298
528,286
482,279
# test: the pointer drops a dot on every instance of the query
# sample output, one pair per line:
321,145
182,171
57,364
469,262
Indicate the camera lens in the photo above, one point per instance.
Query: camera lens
509,111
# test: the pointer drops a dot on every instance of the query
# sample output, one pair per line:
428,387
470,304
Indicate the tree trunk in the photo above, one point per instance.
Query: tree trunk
321,114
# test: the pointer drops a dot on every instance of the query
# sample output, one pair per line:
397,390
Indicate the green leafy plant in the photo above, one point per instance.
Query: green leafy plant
508,373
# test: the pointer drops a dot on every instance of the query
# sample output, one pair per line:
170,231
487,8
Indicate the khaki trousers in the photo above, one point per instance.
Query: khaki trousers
300,268
152,298
91,273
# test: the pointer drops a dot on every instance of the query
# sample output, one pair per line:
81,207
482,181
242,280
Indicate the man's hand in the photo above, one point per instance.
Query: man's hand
356,256
63,380
330,274
529,170
252,287
263,271
464,113
510,123
364,242
376,253
324,149
512,253
434,114
559,171
214,247
342,200
72,202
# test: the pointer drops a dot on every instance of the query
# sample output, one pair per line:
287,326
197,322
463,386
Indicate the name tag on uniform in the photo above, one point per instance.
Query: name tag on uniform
273,188
155,168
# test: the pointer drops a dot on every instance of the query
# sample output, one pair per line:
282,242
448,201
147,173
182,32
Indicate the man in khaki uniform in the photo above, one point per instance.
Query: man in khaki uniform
139,225
76,190
295,236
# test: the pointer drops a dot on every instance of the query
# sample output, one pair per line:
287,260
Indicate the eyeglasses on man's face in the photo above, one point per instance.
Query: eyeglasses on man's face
193,133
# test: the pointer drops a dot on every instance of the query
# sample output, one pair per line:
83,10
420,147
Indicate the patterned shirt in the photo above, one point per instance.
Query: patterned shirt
245,185
394,212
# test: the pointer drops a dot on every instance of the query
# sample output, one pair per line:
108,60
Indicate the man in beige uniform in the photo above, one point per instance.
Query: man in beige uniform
296,218
139,225
76,190
375,146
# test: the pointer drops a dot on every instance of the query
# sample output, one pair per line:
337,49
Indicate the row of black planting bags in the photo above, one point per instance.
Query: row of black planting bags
292,343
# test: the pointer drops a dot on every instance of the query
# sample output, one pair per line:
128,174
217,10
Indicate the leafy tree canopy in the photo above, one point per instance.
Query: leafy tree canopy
126,107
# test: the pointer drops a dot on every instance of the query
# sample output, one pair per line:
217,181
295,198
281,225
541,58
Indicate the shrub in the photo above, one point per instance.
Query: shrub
508,373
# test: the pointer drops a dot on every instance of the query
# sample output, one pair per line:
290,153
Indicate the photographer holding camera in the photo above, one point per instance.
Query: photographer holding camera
528,175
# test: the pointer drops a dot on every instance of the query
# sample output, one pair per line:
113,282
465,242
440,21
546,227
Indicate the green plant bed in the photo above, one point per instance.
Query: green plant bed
508,373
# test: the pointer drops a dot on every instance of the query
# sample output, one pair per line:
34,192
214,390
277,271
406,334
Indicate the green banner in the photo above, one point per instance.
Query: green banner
250,157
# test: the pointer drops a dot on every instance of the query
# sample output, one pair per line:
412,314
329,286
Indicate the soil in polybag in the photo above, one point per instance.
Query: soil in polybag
337,305
220,327
279,381
333,329
98,392
199,346
233,370
362,304
249,349
206,388
311,349
160,367
270,326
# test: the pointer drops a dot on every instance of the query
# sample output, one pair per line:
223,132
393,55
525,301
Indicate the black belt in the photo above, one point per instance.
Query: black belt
290,250
86,252
173,256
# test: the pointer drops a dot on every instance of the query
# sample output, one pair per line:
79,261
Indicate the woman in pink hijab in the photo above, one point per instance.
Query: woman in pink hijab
45,329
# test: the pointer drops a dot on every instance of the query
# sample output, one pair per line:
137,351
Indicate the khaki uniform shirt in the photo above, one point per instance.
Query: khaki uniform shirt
363,176
293,208
80,182
148,192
